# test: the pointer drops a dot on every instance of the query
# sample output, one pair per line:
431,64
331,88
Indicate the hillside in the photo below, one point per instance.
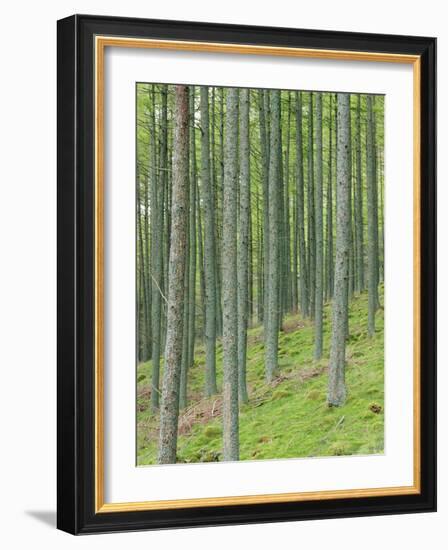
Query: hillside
289,418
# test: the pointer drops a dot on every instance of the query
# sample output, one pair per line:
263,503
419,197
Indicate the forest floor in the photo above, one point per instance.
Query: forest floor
289,418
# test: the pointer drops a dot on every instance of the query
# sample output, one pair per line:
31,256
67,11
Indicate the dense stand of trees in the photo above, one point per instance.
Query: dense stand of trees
251,205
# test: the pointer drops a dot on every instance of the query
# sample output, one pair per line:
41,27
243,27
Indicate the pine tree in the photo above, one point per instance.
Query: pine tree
287,281
209,250
372,241
273,309
229,282
311,211
318,206
192,235
264,151
156,257
329,258
303,270
143,310
243,244
336,371
169,411
359,223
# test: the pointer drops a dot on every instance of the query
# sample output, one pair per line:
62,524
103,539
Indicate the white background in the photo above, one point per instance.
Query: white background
28,273
123,481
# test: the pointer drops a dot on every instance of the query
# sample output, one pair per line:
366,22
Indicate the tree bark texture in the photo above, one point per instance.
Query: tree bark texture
169,412
336,371
229,282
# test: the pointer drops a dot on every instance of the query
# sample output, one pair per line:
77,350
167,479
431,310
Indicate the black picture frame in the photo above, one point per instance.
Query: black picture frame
76,225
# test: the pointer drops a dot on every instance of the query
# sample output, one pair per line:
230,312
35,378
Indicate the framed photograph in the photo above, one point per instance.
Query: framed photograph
246,274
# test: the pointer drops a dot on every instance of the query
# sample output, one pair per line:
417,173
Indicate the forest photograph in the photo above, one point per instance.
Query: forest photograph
259,274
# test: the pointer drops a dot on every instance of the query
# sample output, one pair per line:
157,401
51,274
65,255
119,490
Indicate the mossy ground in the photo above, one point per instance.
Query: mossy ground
290,418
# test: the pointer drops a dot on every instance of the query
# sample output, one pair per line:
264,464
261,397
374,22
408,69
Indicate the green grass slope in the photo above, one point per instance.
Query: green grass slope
290,418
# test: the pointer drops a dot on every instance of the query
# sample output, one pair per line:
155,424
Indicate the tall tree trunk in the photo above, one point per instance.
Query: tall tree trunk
143,335
220,199
287,282
350,249
319,234
260,272
295,245
311,220
186,302
281,229
188,280
164,206
169,411
200,263
147,267
359,224
271,357
165,223
352,255
336,379
192,237
303,270
372,242
264,150
375,202
216,187
250,298
139,305
243,248
209,250
329,227
229,282
156,257
381,210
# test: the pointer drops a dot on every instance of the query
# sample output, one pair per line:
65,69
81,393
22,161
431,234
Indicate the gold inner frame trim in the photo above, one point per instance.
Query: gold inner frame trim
101,42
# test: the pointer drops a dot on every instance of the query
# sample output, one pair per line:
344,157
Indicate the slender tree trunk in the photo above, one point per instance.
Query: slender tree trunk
350,246
311,220
381,209
318,205
281,231
358,204
271,358
188,281
140,306
295,246
372,246
144,348
287,283
329,226
264,150
209,257
146,271
352,254
186,301
229,282
243,249
260,273
200,243
192,237
220,199
375,202
336,378
216,187
303,270
250,298
164,205
156,257
169,412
